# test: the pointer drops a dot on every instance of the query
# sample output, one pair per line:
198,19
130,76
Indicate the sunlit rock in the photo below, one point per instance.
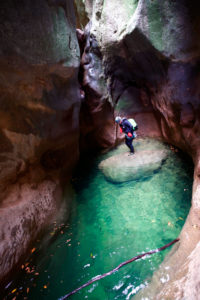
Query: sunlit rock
123,167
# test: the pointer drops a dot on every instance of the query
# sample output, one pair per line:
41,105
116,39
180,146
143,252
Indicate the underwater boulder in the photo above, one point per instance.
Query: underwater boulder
122,167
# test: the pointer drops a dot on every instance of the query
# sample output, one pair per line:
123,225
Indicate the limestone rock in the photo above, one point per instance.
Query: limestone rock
39,118
96,115
151,60
150,53
122,167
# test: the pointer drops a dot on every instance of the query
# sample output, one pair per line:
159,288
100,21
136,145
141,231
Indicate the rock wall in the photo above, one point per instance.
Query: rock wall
39,118
150,57
97,111
139,58
150,54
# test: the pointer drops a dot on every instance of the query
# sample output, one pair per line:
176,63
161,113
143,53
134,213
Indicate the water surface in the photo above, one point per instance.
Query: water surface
110,223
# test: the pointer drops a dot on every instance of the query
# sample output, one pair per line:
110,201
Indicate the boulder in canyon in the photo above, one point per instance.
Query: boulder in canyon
123,167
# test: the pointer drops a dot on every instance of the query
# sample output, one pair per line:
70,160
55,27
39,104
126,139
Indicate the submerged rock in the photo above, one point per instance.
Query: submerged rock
123,167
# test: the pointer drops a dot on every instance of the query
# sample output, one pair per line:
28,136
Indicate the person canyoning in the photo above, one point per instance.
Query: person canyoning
128,126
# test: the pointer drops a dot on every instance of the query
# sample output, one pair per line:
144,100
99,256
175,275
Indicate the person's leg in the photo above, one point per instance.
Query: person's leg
129,144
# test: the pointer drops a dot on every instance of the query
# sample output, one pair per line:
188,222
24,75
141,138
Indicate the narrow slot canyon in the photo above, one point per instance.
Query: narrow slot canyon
74,204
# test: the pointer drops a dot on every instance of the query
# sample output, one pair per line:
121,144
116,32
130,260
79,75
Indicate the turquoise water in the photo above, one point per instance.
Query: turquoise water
110,223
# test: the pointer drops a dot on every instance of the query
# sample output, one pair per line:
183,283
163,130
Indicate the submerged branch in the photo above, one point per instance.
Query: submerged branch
98,277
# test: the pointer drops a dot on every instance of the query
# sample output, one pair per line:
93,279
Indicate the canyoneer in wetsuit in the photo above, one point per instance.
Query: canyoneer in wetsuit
128,126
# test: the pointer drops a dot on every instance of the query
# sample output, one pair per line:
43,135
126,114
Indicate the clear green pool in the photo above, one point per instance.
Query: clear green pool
110,223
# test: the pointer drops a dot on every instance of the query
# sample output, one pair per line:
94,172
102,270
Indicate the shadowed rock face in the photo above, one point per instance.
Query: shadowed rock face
97,112
150,60
39,118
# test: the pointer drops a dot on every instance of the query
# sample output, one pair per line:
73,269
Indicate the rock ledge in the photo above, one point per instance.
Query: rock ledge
122,167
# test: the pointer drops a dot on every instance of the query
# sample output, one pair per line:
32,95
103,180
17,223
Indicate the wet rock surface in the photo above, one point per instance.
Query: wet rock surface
39,118
151,53
125,167
97,111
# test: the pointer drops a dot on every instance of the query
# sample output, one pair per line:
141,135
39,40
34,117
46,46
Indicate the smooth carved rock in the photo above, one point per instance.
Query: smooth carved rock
96,115
122,167
39,119
187,117
152,47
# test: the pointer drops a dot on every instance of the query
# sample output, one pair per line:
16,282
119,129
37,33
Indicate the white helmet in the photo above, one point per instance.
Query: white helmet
118,119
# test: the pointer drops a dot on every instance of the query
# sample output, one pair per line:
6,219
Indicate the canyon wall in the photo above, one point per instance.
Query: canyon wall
149,61
57,97
39,118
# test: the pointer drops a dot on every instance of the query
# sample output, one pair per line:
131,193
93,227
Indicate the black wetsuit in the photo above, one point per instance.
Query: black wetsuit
127,127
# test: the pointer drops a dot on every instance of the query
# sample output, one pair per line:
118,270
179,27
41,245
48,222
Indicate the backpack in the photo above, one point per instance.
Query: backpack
133,123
